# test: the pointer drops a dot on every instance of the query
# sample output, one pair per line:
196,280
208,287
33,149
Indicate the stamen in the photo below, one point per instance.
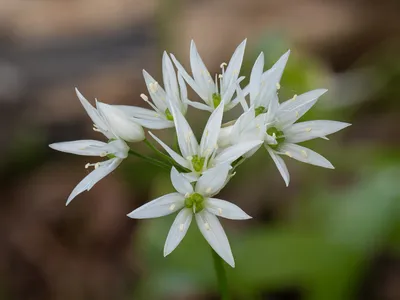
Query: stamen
144,97
187,195
304,153
102,154
189,157
220,76
172,207
153,86
95,128
278,86
294,97
208,190
288,154
220,211
181,227
297,114
224,64
308,129
207,226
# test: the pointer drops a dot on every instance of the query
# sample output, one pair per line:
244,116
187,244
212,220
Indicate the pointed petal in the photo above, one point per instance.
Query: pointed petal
180,183
95,176
232,153
178,230
186,139
255,78
170,80
199,105
304,154
191,176
271,79
82,147
120,123
211,131
199,70
213,180
159,207
225,209
190,81
280,164
175,156
213,232
184,94
309,130
138,112
291,110
154,123
234,66
156,92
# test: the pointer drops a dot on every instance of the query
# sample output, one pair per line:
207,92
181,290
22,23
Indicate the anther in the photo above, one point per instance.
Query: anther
294,97
278,86
208,190
172,207
308,129
297,114
181,227
220,76
153,86
220,211
304,153
224,64
144,97
288,154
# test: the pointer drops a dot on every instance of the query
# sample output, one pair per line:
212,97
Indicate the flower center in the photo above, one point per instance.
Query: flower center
278,135
195,201
216,99
169,115
198,163
259,110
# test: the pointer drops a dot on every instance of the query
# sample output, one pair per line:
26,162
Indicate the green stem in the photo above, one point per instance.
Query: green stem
221,276
151,160
165,157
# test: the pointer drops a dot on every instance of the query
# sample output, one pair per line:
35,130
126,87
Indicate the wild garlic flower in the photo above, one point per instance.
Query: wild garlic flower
197,201
210,91
160,116
199,158
283,134
117,127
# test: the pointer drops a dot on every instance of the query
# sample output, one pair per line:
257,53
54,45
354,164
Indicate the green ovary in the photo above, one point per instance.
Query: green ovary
216,99
279,136
259,110
198,163
169,115
195,200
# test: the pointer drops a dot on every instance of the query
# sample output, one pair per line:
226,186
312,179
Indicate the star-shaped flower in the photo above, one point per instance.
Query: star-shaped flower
197,201
204,85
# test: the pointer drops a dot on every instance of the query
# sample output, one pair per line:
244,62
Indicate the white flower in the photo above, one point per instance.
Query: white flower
196,201
116,149
160,117
199,158
282,133
263,86
204,85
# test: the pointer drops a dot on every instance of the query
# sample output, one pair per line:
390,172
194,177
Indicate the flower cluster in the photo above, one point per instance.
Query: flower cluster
200,170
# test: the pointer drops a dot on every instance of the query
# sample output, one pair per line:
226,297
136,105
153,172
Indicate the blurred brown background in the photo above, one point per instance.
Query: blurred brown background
329,235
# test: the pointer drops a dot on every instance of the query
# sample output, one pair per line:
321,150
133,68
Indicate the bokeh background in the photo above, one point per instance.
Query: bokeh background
332,234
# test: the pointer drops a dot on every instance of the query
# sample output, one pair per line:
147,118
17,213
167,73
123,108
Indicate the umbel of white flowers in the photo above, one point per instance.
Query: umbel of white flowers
200,170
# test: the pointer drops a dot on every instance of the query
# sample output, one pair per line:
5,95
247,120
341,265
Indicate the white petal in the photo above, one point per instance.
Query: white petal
280,164
213,180
305,155
199,70
191,176
234,66
271,79
82,147
309,130
159,207
94,115
211,131
224,138
95,176
156,92
120,123
178,230
180,183
169,76
154,123
186,138
232,153
203,94
199,105
291,110
175,156
225,209
215,235
255,78
138,112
